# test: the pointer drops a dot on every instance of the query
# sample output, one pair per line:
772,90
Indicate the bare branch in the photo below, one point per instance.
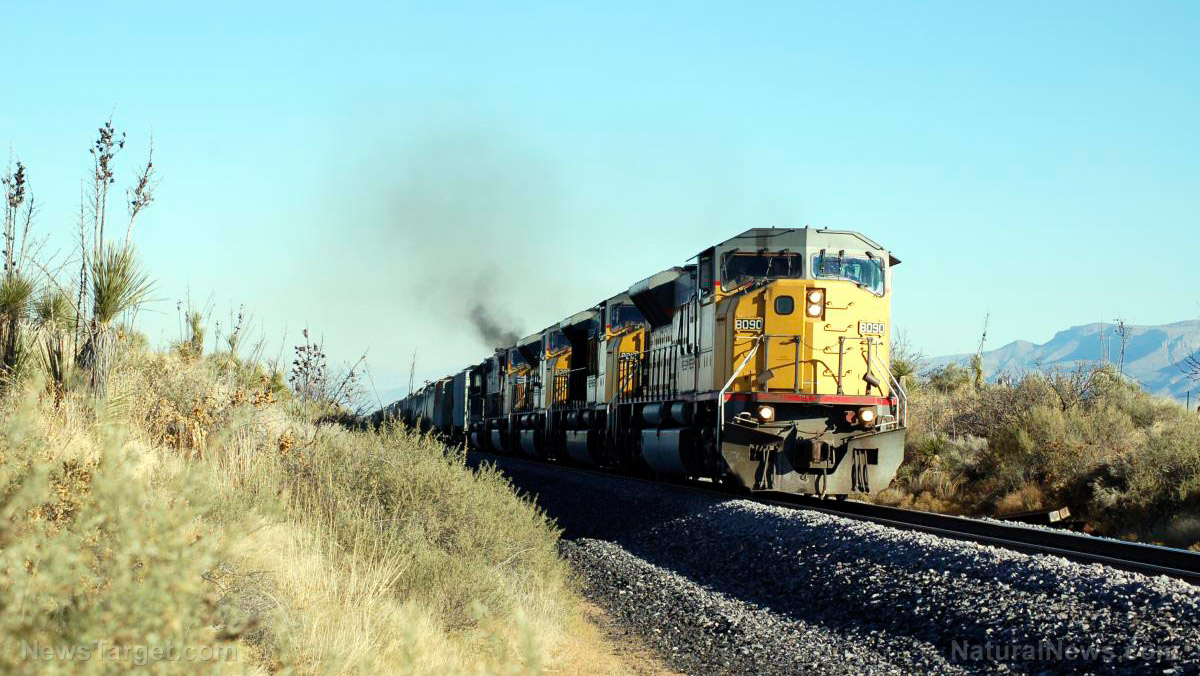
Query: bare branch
83,261
1190,365
1124,332
106,148
14,183
142,194
29,213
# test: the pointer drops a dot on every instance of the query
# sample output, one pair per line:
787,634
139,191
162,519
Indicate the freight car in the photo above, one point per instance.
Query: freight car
762,364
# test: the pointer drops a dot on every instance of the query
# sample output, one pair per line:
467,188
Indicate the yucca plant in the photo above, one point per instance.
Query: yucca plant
119,285
53,318
16,291
196,339
52,310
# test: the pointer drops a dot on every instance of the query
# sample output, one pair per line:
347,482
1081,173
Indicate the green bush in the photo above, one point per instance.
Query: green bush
93,557
1163,475
1086,438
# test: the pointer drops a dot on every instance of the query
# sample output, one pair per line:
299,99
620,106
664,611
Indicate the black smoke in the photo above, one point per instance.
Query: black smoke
492,331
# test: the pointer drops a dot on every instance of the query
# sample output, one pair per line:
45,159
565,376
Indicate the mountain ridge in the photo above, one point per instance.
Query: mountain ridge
1152,354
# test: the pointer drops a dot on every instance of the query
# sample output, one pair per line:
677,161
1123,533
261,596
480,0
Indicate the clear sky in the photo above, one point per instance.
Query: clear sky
371,169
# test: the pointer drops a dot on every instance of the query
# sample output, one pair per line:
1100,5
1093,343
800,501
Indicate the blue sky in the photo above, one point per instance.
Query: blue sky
371,169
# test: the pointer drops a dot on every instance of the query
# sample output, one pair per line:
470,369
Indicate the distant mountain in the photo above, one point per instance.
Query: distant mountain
1151,356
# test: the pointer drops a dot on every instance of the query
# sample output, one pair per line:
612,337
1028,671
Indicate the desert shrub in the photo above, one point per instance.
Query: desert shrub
321,391
1086,438
1163,474
452,569
94,556
948,378
904,360
1181,530
465,549
454,572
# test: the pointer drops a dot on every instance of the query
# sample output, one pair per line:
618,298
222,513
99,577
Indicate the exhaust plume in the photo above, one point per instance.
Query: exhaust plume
489,328
446,224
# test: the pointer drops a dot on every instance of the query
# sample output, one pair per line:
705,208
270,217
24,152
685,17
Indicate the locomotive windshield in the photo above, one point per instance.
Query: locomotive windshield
866,272
738,267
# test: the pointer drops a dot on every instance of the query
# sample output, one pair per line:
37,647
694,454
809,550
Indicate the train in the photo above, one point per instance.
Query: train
761,364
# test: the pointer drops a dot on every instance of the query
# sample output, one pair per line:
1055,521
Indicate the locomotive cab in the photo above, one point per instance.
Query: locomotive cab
807,400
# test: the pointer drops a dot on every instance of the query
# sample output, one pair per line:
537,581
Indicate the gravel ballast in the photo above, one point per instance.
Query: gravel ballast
722,585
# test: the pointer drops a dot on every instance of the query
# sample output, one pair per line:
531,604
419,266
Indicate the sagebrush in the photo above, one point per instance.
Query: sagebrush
1086,438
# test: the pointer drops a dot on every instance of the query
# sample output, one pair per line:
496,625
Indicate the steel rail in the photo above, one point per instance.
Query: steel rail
1133,556
1136,557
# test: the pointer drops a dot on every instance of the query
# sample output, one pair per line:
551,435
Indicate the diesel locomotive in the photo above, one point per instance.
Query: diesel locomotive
761,364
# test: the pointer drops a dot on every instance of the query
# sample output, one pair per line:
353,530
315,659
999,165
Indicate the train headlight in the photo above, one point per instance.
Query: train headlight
814,305
867,416
767,413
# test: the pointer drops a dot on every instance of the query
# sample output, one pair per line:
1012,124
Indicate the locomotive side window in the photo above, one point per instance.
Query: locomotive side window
556,342
739,267
866,272
623,315
784,305
706,273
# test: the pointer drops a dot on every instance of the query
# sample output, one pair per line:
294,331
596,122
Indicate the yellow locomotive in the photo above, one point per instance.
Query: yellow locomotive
762,364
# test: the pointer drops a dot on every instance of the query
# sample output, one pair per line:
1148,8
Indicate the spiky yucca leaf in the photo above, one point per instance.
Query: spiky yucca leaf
196,326
119,284
52,310
53,317
15,293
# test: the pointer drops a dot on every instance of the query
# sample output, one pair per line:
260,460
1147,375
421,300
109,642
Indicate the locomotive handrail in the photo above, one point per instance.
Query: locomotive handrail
561,385
614,422
629,368
873,364
798,340
627,356
721,394
642,364
894,383
742,365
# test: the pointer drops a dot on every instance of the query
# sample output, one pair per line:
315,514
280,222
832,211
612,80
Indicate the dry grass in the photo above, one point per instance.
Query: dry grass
194,506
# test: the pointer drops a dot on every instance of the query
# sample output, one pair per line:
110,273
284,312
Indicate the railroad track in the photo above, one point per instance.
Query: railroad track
1132,556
